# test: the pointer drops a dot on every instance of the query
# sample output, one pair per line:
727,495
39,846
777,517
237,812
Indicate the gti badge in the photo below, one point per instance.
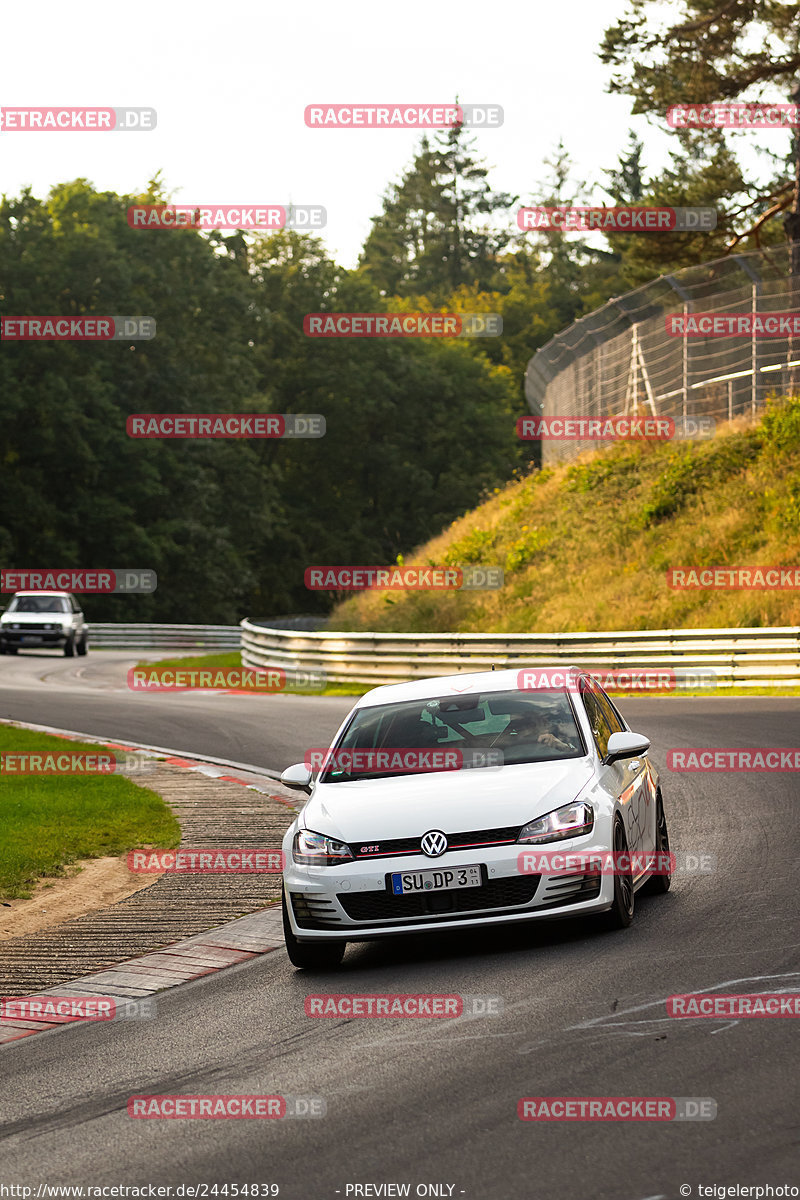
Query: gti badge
434,843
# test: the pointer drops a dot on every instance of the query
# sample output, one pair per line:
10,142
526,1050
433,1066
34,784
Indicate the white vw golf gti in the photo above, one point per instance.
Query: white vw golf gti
442,804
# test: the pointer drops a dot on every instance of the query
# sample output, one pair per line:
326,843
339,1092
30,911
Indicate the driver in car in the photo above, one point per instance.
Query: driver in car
534,725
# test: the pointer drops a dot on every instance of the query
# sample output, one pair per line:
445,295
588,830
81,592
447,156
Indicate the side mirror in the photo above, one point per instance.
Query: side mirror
298,778
626,745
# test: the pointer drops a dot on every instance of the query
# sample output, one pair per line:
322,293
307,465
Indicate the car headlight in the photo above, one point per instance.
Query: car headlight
572,820
318,850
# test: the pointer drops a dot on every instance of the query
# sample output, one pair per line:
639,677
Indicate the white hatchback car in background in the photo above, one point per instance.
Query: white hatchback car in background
381,848
45,620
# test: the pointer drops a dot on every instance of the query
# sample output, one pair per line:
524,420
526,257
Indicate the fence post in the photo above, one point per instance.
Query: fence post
753,350
755,292
686,298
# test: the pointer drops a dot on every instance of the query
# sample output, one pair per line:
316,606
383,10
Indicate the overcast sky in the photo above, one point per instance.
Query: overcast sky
230,84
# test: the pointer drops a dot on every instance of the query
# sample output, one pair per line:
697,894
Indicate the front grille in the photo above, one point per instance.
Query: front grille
472,839
30,627
383,906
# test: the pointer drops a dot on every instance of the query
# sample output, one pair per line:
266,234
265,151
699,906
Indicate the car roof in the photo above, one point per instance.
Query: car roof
472,681
41,593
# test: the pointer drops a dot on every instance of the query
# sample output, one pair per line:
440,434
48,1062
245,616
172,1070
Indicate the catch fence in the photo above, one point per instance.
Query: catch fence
620,360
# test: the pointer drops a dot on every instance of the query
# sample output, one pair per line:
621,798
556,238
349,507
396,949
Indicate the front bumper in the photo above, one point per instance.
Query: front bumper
33,637
353,902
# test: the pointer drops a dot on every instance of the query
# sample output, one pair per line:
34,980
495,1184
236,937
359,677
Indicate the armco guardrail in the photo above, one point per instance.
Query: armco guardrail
112,636
738,657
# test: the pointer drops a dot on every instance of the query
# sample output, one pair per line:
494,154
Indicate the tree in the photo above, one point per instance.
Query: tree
578,274
77,491
417,430
718,50
626,180
699,174
438,229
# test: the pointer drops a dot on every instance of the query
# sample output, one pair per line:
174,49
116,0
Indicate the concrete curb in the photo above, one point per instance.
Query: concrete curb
239,941
138,978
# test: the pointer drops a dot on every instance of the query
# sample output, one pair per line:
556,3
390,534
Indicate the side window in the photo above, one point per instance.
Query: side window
598,720
611,714
76,608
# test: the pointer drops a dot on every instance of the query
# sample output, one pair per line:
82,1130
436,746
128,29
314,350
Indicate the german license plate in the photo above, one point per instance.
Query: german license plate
31,639
406,882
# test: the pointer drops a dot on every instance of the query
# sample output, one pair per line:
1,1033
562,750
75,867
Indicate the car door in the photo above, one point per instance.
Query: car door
637,786
619,778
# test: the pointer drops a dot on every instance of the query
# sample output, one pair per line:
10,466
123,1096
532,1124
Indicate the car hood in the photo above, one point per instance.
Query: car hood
453,801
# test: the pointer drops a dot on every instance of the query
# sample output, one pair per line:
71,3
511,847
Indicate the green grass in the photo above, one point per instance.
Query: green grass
198,662
223,662
49,822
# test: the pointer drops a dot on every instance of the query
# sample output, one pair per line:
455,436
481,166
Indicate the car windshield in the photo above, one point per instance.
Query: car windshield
448,733
38,604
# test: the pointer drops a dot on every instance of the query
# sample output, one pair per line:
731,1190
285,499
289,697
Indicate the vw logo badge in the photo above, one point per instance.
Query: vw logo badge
434,843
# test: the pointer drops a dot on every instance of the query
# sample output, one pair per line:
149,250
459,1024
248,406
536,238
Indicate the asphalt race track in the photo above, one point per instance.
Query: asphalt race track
435,1102
89,695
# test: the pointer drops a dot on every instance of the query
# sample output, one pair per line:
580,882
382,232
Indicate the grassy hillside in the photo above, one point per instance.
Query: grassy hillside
587,546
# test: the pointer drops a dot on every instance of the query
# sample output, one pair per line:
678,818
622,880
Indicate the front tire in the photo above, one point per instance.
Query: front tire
82,646
310,956
621,912
69,647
